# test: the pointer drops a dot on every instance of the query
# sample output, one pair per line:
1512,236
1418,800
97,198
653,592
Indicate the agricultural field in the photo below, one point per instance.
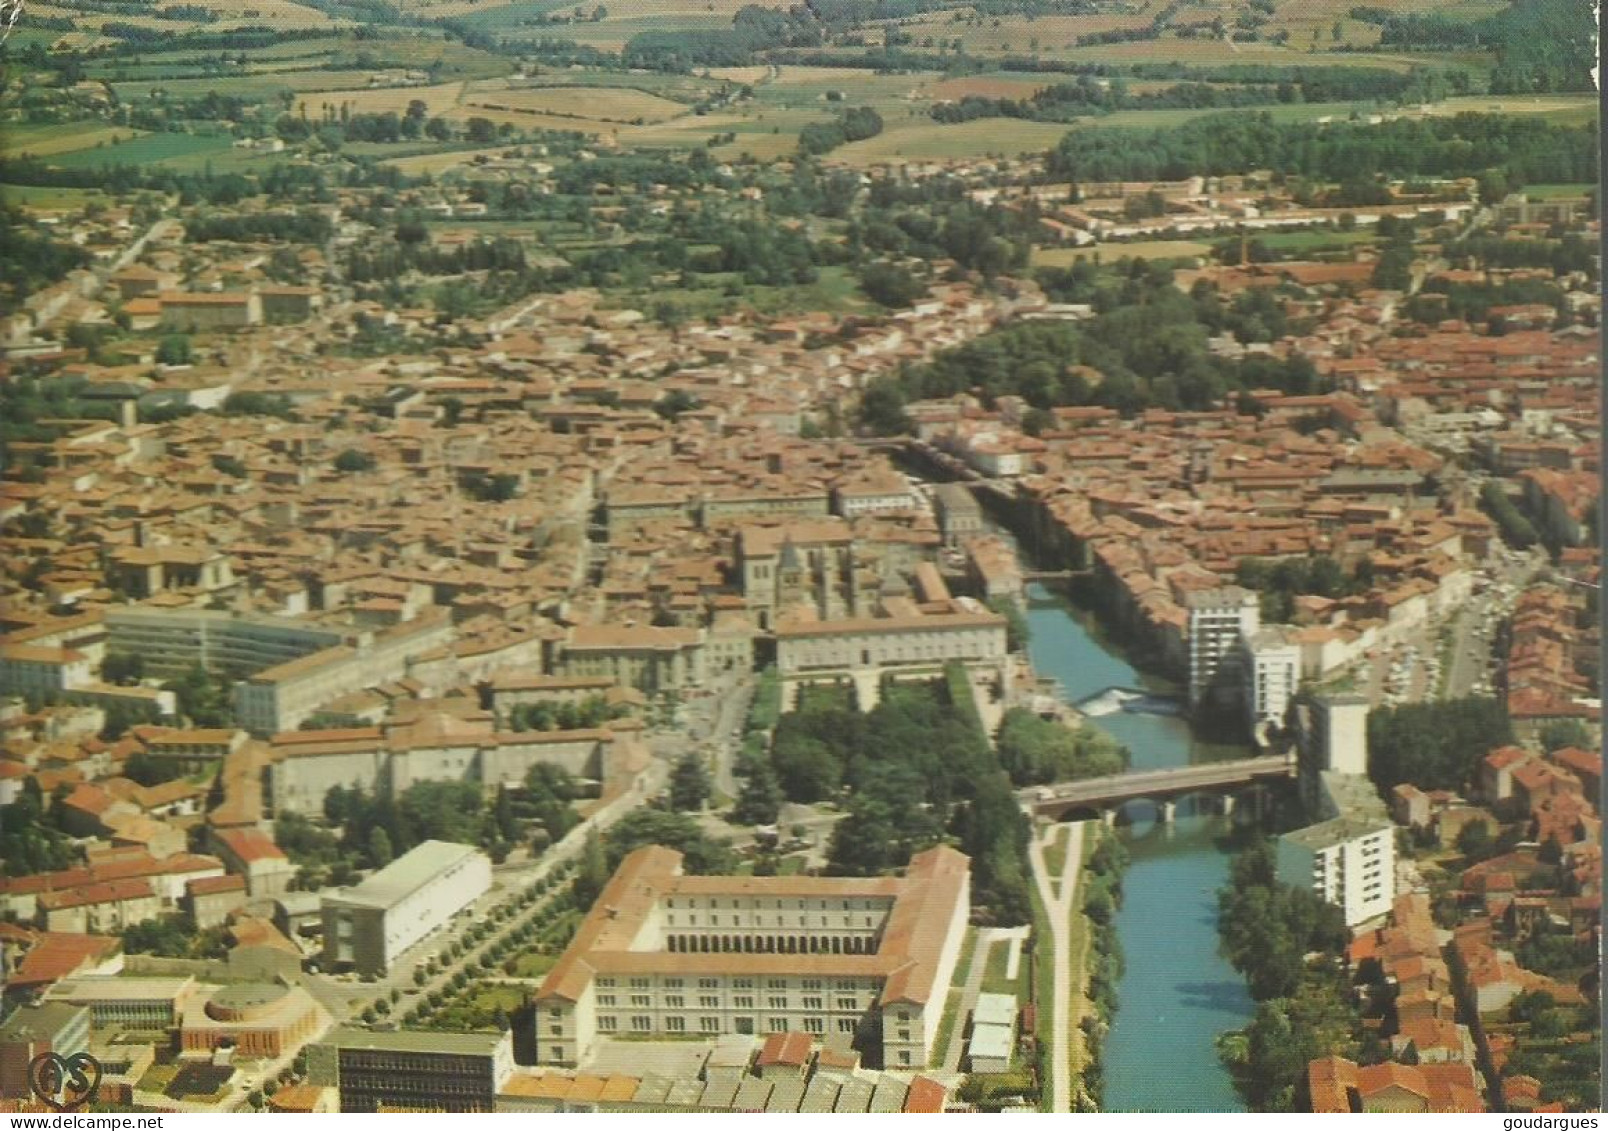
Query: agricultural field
926,140
48,141
1110,252
182,152
986,86
603,104
439,99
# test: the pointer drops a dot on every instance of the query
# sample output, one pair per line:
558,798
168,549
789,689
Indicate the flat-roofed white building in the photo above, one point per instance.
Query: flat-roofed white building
1218,620
1272,667
368,926
846,959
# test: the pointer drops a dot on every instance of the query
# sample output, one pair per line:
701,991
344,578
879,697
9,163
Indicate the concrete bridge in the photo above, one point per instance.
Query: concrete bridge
1104,796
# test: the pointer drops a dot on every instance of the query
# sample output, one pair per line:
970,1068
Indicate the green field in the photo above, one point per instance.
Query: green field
177,151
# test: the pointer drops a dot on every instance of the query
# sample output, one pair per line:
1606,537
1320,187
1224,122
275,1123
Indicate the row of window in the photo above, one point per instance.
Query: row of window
738,1001
642,1023
609,982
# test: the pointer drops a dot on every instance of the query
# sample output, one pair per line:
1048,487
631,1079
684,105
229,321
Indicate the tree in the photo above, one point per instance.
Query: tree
1474,841
891,285
689,784
174,349
379,847
882,409
593,870
1565,732
702,855
352,460
760,801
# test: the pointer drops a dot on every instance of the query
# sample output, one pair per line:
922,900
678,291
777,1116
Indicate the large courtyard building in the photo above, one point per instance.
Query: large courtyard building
861,962
368,926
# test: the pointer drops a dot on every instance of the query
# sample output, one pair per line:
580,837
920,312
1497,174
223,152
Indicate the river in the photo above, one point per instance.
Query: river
1177,993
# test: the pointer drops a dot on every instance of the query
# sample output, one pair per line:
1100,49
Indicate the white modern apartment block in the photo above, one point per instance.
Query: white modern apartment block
368,926
1272,667
1348,860
1219,619
1349,856
668,955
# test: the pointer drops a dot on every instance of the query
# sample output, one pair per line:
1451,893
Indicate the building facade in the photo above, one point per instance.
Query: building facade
368,926
407,1071
1219,619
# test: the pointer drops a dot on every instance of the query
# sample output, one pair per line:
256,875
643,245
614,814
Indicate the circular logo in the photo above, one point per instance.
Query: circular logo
65,1083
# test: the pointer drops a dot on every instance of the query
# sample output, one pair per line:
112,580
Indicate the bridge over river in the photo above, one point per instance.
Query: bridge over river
1104,796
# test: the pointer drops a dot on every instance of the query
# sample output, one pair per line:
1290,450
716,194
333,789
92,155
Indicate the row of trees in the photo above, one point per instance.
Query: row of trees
1529,150
855,124
1434,745
1101,901
1034,751
1303,1012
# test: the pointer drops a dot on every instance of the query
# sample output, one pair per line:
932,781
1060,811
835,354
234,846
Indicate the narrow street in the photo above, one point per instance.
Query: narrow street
1058,908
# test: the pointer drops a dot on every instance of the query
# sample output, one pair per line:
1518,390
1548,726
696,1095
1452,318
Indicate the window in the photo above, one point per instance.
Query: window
555,1030
709,1024
814,1025
709,1001
776,1002
675,1001
640,983
845,1025
641,1024
904,1033
555,1013
847,1003
776,984
744,1025
605,999
776,1025
904,1015
904,1057
812,983
606,1024
742,983
672,983
814,1003
675,1024
605,983
641,1001
708,984
742,1001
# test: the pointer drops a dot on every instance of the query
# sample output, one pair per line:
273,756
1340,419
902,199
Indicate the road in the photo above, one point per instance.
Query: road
1058,909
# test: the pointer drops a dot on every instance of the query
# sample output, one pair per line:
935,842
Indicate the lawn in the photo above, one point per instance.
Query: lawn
477,1009
994,979
951,1017
1555,192
1307,243
533,965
